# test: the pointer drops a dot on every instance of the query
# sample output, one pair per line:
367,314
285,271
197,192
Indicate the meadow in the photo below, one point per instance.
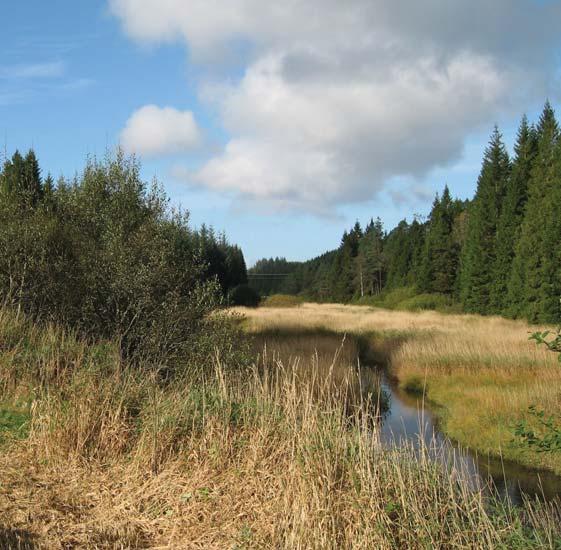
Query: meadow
98,454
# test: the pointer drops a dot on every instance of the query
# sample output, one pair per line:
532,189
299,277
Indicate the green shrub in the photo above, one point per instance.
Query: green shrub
426,301
282,300
105,255
389,299
243,295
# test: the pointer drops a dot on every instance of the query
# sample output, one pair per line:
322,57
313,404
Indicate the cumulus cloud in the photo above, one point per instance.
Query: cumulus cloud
155,131
339,98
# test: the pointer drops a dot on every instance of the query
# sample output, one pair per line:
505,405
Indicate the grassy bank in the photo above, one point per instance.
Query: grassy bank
105,456
482,372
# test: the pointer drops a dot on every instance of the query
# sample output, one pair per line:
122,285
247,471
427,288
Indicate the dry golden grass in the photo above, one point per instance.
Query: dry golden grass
254,460
482,371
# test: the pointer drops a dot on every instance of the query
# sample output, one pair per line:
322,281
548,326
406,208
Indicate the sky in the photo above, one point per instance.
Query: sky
281,123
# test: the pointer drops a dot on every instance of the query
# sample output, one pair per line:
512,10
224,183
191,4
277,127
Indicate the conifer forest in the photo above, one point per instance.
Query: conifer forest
498,253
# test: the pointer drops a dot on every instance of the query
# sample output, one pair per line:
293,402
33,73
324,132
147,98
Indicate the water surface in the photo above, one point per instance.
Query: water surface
409,420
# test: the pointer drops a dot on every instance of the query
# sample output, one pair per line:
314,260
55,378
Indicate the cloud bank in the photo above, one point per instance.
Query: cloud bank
338,98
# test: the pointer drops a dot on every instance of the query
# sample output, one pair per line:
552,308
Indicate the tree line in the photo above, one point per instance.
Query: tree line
499,253
104,254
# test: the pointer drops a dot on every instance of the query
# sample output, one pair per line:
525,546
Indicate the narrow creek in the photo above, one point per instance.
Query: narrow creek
410,420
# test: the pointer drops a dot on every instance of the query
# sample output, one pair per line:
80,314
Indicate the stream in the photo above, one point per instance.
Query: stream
410,421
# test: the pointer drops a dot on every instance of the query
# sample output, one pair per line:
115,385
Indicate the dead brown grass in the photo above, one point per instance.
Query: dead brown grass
254,460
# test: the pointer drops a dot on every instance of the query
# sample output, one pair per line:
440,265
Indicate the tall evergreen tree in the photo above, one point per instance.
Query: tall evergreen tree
31,184
533,291
440,260
371,274
479,253
510,221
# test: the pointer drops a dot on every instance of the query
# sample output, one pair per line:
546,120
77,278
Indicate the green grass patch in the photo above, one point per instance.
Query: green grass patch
409,299
414,385
14,421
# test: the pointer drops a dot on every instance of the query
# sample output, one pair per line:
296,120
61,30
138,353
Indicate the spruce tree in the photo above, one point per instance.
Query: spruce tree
439,266
372,259
510,221
478,258
533,290
12,175
398,254
31,184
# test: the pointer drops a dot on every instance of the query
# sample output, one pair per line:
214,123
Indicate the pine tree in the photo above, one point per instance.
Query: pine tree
479,253
508,230
533,290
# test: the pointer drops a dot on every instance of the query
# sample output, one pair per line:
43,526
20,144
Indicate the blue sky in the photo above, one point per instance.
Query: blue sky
280,126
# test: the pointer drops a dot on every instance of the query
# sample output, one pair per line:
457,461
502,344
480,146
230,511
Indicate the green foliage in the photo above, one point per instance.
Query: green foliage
274,275
104,254
549,339
243,295
546,437
390,299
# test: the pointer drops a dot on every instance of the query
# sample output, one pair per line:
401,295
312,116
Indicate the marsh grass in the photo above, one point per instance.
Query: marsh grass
483,373
327,364
115,458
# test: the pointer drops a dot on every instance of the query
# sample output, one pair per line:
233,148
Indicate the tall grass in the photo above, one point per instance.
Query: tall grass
119,459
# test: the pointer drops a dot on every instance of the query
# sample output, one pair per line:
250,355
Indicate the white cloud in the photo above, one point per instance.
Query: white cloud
339,98
155,131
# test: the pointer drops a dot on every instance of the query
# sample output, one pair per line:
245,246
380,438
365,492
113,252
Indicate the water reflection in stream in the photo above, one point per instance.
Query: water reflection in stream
410,421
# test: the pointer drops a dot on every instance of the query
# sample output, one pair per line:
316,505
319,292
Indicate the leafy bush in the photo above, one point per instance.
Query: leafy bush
104,254
407,298
244,295
390,299
282,300
546,437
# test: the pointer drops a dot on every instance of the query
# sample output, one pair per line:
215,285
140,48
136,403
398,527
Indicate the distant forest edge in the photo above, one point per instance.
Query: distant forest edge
499,253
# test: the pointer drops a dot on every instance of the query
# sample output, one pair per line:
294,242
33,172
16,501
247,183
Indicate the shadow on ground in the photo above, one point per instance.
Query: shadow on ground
16,539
